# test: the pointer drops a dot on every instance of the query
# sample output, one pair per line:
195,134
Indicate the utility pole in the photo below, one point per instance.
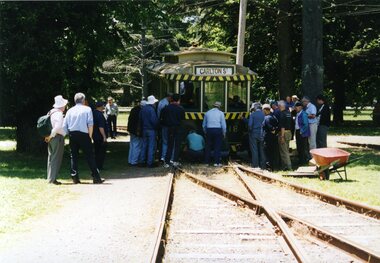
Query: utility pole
312,54
241,32
144,79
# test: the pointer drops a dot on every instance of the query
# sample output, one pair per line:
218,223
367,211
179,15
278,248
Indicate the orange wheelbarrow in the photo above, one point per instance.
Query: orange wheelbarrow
329,160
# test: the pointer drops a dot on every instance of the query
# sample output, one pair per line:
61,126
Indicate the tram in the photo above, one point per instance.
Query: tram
202,76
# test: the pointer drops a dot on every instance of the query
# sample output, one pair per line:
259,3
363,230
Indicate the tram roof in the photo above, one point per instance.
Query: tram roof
184,70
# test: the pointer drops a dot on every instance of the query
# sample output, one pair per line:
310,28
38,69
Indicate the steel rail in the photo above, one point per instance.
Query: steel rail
327,198
342,243
259,208
322,234
158,246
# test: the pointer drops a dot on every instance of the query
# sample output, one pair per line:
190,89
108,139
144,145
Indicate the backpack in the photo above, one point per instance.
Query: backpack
44,126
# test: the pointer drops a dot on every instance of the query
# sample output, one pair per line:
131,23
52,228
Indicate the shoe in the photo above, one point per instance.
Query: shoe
56,182
218,165
162,160
98,181
166,165
176,164
75,179
153,165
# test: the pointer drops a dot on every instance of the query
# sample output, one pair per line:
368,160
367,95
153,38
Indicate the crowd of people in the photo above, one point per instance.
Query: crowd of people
270,129
87,128
272,126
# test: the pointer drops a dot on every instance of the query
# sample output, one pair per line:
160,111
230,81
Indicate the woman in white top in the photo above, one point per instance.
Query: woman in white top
55,140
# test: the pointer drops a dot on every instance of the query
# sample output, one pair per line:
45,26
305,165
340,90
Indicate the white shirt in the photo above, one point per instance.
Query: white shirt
56,119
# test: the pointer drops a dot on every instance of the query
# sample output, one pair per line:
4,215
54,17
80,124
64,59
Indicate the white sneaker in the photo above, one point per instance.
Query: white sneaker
166,165
218,165
176,164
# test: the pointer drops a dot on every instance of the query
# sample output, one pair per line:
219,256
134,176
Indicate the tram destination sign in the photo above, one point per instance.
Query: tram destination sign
214,70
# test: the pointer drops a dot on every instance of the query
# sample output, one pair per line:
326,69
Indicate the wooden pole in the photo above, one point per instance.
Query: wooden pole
241,32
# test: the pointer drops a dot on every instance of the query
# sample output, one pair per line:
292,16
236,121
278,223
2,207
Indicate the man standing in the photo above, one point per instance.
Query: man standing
56,140
285,135
302,134
100,134
270,126
135,132
172,116
149,124
112,110
311,111
79,124
256,137
324,120
164,129
215,128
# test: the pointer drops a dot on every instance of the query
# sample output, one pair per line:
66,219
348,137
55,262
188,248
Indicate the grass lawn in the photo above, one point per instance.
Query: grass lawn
363,176
24,192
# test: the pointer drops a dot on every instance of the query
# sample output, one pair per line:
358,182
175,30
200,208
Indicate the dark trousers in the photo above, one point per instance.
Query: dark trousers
81,140
111,120
302,148
194,156
271,151
100,148
214,140
174,142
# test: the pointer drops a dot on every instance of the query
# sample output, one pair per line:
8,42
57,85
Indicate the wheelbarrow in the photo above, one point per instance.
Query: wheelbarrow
329,160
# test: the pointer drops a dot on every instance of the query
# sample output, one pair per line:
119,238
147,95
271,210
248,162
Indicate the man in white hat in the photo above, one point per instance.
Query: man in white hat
215,128
56,140
149,123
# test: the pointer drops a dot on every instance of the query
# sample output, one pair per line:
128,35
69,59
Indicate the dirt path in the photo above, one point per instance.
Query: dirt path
113,222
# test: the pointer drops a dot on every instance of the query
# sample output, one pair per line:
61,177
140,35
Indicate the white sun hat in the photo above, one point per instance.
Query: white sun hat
151,100
59,102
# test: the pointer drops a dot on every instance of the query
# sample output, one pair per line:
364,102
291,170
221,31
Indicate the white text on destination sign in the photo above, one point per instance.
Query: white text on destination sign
213,71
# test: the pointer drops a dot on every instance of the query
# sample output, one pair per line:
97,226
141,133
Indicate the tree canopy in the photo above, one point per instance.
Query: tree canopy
50,48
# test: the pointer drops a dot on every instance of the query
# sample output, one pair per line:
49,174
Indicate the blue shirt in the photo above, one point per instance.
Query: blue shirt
78,118
256,121
214,118
195,142
162,104
148,118
311,109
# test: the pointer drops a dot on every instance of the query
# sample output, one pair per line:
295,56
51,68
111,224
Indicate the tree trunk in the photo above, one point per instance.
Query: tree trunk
28,140
312,55
285,50
339,91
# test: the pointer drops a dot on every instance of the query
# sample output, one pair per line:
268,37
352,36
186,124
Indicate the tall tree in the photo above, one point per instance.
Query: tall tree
312,48
285,48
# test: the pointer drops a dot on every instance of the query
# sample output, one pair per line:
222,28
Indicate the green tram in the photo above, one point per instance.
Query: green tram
202,76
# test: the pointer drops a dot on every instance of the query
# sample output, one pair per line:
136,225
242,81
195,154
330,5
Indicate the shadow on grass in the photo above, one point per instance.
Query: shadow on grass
24,166
361,128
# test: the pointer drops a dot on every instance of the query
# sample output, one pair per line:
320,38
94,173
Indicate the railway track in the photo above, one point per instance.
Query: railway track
238,225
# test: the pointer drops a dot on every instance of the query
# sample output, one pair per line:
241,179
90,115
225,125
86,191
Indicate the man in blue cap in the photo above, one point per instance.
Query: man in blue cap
99,135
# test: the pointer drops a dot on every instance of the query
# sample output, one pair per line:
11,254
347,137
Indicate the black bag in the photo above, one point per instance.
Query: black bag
44,125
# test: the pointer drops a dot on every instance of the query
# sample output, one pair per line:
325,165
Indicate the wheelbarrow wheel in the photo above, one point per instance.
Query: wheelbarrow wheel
324,175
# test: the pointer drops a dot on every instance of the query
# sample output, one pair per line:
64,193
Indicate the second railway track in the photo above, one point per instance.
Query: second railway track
201,226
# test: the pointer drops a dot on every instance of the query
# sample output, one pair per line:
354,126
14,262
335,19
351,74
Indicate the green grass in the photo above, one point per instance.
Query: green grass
24,192
356,123
363,176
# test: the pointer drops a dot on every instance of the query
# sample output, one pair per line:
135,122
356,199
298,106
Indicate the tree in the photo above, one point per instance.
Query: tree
312,54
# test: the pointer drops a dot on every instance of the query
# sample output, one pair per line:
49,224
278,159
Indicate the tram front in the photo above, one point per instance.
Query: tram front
202,76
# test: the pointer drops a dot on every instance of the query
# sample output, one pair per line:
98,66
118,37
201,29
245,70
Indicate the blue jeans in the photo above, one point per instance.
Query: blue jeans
135,146
164,136
256,144
214,140
149,145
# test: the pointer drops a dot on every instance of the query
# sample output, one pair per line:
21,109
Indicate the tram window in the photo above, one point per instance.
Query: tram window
214,91
190,92
237,96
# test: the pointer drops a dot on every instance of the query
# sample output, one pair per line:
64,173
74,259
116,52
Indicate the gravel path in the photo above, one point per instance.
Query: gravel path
113,222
